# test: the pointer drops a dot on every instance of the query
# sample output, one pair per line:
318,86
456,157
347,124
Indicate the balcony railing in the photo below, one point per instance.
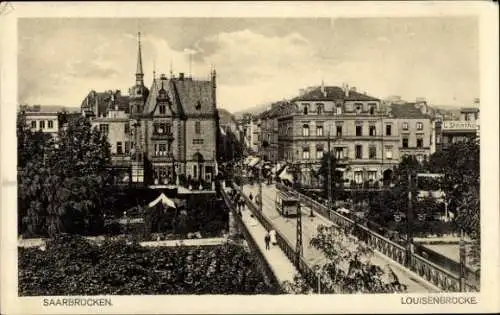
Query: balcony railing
164,135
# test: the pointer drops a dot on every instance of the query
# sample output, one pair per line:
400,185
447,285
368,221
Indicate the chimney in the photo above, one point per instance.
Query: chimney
323,91
346,89
181,76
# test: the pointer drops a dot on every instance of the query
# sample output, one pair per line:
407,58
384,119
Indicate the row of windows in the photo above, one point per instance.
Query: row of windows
50,124
320,108
420,143
372,130
360,178
341,153
198,141
161,149
159,128
162,128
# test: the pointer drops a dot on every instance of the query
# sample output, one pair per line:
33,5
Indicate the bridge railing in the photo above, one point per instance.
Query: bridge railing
438,276
284,244
262,263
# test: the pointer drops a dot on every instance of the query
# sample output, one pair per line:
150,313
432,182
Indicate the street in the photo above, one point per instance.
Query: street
287,226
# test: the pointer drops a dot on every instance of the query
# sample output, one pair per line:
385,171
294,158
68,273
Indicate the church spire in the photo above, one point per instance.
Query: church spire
139,75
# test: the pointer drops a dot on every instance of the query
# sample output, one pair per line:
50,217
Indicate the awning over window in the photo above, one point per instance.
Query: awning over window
285,175
276,168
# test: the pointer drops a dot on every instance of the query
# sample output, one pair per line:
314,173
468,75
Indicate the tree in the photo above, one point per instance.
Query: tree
460,164
32,148
336,177
348,268
228,147
66,190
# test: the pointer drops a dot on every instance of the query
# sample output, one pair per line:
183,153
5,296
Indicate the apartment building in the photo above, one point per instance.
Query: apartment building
466,128
354,125
269,131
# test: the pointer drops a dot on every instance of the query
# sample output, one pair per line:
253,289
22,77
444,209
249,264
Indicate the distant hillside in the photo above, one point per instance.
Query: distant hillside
252,110
225,116
51,108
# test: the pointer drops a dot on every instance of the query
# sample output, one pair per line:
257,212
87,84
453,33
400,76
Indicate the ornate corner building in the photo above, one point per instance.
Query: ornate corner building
161,133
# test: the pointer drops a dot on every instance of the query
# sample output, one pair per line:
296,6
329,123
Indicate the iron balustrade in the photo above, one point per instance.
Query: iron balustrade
284,244
263,265
438,276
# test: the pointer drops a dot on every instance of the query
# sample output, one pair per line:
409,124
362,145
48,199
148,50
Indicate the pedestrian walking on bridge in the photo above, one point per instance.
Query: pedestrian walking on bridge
267,239
273,237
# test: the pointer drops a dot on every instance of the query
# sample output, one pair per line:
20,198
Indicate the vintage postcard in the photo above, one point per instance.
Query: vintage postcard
249,157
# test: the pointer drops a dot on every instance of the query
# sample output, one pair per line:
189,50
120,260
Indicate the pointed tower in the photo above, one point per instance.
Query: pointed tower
139,75
138,93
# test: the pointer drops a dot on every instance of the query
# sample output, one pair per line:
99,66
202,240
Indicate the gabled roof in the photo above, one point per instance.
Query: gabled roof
186,95
194,93
104,102
408,110
150,105
333,93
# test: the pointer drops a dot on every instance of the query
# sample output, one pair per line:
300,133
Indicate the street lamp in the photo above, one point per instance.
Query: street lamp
409,221
462,260
317,270
298,245
259,178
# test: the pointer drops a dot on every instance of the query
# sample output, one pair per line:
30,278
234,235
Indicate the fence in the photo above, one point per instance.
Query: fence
304,269
440,277
262,263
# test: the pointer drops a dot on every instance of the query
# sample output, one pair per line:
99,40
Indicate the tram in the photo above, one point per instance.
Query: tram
287,204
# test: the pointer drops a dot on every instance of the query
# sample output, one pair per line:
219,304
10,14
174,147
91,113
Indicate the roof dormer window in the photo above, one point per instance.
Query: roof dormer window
306,109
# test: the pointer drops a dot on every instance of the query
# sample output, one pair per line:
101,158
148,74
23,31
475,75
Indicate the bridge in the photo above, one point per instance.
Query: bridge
417,273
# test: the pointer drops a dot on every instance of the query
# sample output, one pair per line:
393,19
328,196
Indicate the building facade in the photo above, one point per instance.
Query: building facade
348,123
161,132
42,118
269,131
466,128
413,122
368,138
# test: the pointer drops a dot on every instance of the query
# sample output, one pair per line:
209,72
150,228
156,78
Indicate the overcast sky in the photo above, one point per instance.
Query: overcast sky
257,60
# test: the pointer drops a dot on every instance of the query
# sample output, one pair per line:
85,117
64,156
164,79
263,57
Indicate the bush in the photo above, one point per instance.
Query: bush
74,266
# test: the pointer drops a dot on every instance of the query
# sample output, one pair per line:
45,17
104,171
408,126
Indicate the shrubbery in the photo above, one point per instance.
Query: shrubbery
74,266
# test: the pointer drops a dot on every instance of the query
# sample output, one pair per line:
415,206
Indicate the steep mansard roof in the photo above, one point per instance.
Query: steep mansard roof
188,96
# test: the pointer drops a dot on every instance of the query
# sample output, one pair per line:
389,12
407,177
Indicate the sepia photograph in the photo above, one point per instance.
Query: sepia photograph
249,156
